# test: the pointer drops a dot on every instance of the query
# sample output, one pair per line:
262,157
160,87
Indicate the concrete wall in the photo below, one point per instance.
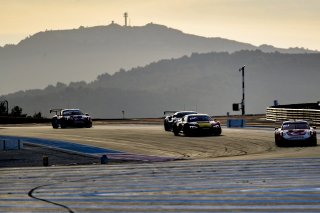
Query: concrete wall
11,145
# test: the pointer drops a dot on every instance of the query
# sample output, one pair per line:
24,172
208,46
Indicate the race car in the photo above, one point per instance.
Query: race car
195,124
295,133
171,119
70,118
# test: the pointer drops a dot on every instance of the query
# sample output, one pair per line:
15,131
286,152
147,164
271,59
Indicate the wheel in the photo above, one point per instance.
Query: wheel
217,132
54,123
278,143
89,125
313,142
186,130
63,124
166,126
175,130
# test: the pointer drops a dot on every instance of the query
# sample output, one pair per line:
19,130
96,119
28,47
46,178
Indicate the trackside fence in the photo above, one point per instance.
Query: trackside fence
282,114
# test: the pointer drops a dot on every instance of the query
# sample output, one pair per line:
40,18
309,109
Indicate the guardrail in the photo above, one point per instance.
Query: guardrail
281,114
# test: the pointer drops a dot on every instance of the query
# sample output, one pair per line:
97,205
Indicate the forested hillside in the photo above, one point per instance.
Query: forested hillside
84,53
208,82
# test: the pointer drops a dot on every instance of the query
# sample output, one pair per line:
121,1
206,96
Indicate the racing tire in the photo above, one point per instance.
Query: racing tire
89,125
278,143
217,132
175,131
166,126
55,124
186,130
313,142
63,124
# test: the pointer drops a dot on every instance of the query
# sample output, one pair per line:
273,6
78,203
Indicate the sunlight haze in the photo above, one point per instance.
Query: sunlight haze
281,23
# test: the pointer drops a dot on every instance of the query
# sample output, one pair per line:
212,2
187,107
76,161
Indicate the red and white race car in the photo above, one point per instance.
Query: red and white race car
293,133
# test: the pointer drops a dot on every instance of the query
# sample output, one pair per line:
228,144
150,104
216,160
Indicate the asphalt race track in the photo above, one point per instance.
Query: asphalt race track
239,171
152,140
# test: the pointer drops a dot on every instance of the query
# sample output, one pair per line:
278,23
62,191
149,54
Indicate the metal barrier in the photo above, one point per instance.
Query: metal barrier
282,114
236,123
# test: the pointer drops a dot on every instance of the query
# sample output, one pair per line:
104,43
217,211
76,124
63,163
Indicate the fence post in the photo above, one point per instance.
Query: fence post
278,114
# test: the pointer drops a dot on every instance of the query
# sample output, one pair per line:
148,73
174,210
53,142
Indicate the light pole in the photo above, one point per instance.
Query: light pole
123,114
242,101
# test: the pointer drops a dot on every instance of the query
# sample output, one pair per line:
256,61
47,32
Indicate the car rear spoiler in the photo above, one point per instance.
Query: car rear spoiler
169,112
57,111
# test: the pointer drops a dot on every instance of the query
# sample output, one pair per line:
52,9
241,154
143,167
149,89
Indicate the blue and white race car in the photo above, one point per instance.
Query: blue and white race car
293,133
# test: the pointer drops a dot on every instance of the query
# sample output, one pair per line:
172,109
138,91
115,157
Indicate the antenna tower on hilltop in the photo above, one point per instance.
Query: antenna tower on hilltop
125,15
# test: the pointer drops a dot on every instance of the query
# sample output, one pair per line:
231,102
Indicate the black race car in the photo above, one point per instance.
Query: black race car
171,119
195,124
70,118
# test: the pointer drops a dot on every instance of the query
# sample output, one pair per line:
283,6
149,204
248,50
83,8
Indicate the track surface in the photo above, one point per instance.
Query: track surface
240,171
189,186
154,141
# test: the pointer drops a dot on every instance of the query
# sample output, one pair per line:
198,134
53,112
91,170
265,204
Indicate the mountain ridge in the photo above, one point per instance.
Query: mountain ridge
82,54
206,82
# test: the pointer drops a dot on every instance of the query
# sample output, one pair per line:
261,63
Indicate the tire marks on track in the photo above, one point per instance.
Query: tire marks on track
275,185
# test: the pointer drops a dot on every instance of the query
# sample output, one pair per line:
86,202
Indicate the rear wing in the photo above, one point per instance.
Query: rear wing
56,111
169,112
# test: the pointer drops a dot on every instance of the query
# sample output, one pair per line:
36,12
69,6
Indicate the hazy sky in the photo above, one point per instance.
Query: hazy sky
282,23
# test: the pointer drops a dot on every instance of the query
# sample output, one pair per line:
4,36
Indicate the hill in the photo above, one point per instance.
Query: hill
207,82
82,54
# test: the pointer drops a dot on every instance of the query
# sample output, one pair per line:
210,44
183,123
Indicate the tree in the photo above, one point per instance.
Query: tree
16,111
37,115
3,108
